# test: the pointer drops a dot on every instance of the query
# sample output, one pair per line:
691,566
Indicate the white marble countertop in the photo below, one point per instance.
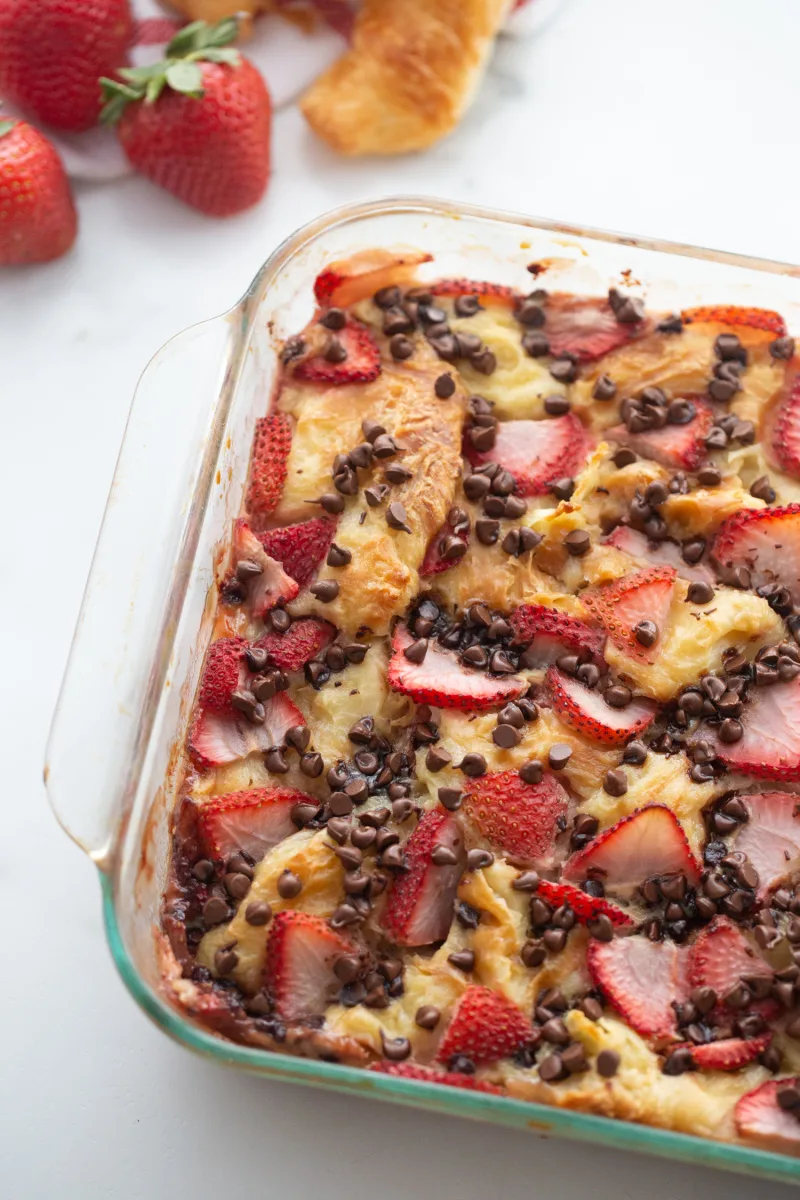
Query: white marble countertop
667,119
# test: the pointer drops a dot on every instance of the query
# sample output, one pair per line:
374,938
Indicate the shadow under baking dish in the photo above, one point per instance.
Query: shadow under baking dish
149,603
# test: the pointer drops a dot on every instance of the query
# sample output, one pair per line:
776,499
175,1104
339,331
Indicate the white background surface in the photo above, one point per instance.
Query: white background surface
677,119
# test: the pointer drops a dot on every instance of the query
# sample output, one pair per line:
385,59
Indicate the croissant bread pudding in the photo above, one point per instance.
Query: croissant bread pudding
492,774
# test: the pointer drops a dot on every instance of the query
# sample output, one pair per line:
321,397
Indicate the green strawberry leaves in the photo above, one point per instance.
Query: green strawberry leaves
195,43
6,126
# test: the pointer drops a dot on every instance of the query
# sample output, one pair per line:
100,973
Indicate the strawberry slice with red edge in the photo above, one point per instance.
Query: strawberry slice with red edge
721,956
585,710
251,821
658,554
361,364
442,553
549,634
759,1117
641,980
585,907
485,1026
736,314
767,542
621,604
216,738
648,842
517,817
586,328
301,642
272,586
409,1070
769,747
346,282
492,293
442,681
771,837
728,1054
301,955
673,445
536,453
268,464
223,672
300,548
419,908
785,438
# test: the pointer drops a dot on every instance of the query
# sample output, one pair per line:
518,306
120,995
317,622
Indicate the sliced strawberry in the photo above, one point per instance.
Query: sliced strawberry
770,744
252,821
302,641
736,314
300,548
361,365
672,445
441,554
785,440
767,542
485,1026
224,671
517,817
721,956
658,554
642,980
729,1054
409,1070
549,633
586,328
419,908
493,293
620,605
585,907
648,842
537,452
216,738
271,446
272,586
344,283
758,1116
441,680
587,712
771,837
301,954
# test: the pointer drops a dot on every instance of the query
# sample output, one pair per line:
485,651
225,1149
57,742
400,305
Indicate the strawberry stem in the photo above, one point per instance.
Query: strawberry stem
195,43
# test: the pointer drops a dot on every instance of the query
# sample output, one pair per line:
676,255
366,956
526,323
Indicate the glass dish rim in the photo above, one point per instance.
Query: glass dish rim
541,1118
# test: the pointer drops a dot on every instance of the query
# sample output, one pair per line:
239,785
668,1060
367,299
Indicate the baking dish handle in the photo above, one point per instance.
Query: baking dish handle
172,437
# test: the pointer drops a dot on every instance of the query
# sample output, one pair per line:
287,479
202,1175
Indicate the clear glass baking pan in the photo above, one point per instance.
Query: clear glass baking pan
149,602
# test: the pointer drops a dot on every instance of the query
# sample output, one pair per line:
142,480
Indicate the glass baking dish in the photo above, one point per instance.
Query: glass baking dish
137,652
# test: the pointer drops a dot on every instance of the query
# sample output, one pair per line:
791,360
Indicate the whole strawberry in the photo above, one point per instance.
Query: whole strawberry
52,53
197,124
38,221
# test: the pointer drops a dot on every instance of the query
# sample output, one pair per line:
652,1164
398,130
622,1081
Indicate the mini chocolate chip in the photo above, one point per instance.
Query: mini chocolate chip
559,755
555,940
258,912
782,347
563,488
383,446
466,306
577,542
680,412
709,476
450,798
396,518
700,592
289,885
401,347
325,591
646,633
275,762
762,489
416,652
607,1063
556,406
247,569
478,859
437,758
443,856
506,736
215,911
236,885
604,388
624,457
226,960
444,386
635,753
617,696
427,1016
564,369
338,556
462,960
473,764
535,343
203,870
531,772
615,782
395,1049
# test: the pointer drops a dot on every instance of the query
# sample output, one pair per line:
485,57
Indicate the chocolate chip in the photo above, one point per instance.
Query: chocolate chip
604,388
444,386
289,885
531,772
335,351
416,652
782,347
450,798
565,370
533,953
236,885
203,870
709,476
478,859
258,912
462,960
607,1063
396,473
556,406
624,457
634,753
628,310
506,736
617,696
615,782
466,306
443,856
387,297
484,362
215,911
401,347
275,762
473,765
535,344
700,592
577,542
559,755
395,1049
396,517
226,960
437,758
762,489
646,633
680,412
325,591
563,488
528,881
500,663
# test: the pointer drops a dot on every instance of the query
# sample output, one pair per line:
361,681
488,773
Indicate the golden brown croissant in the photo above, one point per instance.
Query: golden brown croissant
411,72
